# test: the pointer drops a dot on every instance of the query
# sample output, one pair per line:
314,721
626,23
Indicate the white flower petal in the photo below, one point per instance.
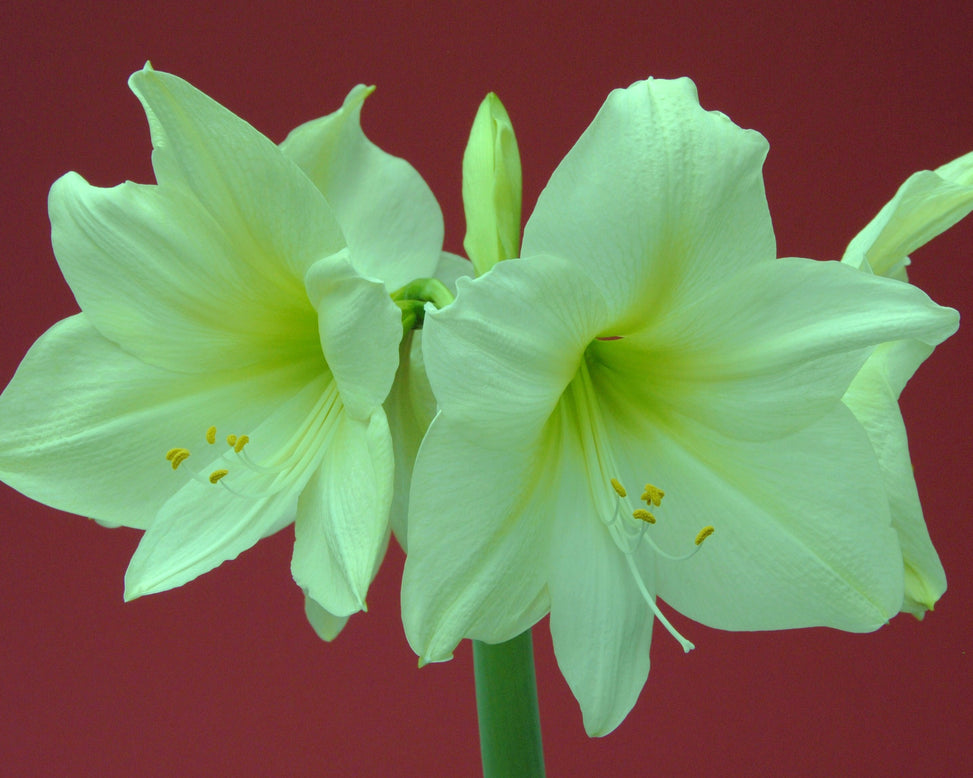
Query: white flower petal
600,624
264,203
325,624
86,426
360,329
387,213
873,398
657,199
411,404
502,339
928,203
342,526
803,534
155,274
411,407
769,349
205,524
477,560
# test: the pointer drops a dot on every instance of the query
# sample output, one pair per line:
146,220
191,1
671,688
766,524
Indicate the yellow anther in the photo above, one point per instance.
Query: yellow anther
216,475
231,440
619,489
704,533
172,452
179,455
652,495
240,443
211,435
643,515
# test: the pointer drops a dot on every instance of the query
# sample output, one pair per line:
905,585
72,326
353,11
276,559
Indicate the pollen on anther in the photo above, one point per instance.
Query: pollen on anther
177,456
704,533
619,489
231,440
211,435
643,515
652,495
216,475
240,443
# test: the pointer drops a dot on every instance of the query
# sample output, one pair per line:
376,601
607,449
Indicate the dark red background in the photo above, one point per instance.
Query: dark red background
223,676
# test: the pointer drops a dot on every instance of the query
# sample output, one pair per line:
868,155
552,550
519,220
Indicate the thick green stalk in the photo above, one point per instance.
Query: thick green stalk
506,705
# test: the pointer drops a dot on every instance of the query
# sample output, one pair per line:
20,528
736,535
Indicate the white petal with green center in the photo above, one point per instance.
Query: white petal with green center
155,274
649,335
754,357
387,213
656,200
86,426
525,347
342,525
269,210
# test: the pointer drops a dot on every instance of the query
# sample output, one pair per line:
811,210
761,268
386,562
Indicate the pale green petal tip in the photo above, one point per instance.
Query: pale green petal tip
492,187
927,204
921,592
326,624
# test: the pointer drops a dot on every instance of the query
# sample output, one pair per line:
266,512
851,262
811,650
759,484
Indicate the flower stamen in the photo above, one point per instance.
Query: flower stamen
704,533
177,456
652,496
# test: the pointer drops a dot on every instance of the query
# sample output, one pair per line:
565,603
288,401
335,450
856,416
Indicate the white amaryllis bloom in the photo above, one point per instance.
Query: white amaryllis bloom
648,341
928,203
237,340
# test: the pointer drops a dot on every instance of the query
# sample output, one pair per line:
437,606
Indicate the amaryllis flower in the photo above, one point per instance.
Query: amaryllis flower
646,373
236,342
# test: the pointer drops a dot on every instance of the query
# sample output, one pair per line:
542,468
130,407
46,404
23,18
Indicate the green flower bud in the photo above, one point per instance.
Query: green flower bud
491,187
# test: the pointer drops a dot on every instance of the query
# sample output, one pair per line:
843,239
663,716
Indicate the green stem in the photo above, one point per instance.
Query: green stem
506,705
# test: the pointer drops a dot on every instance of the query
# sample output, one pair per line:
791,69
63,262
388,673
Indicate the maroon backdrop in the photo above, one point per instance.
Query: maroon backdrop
223,676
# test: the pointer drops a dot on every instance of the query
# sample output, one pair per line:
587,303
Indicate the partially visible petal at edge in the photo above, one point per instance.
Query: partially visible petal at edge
873,398
928,203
